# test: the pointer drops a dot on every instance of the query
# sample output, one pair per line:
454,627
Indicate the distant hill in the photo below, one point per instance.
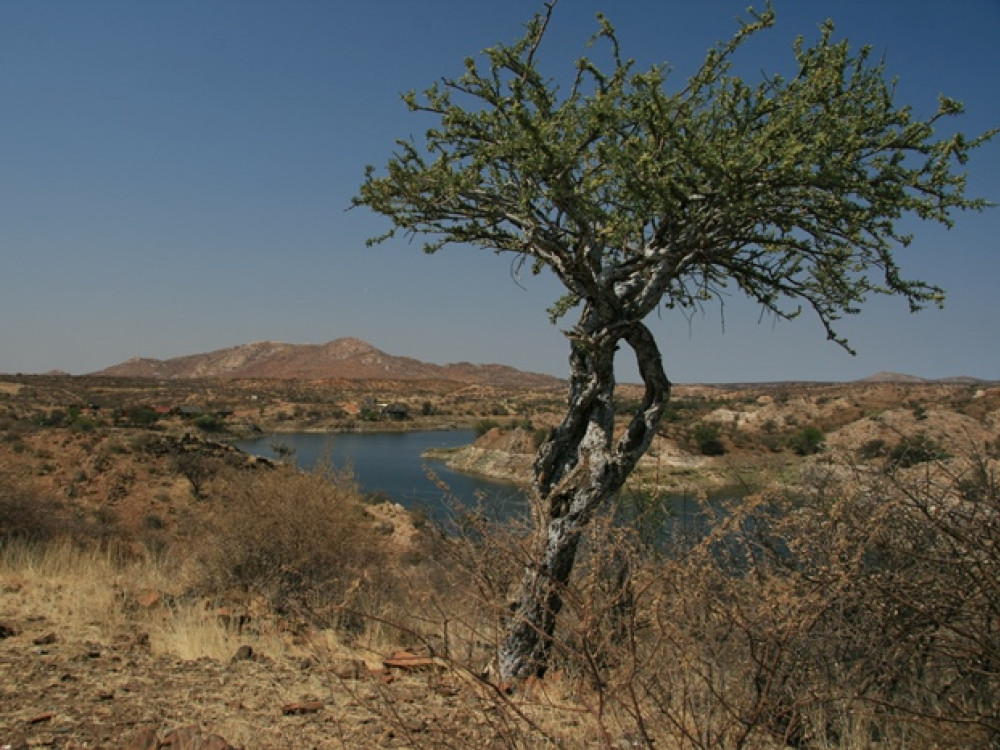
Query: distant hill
897,377
342,358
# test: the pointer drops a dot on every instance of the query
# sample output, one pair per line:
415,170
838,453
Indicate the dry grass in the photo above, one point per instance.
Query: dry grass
90,594
63,583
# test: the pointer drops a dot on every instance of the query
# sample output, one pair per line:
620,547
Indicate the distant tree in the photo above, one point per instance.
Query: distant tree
634,196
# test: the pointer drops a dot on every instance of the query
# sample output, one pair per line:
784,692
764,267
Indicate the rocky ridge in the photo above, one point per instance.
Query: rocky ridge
348,358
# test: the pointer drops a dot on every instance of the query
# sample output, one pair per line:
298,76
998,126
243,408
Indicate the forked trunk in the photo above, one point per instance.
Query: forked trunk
579,468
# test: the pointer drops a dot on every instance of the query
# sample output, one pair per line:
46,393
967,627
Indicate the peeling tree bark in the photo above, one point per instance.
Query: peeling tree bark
578,469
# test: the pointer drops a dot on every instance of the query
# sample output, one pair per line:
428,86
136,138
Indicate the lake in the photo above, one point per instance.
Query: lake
392,464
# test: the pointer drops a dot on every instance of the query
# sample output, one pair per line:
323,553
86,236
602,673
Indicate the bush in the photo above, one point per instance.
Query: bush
875,448
26,514
142,416
539,436
299,540
485,425
808,441
209,423
916,449
706,437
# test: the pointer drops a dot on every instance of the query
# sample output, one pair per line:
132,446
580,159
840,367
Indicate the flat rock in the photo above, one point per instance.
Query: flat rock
408,662
301,707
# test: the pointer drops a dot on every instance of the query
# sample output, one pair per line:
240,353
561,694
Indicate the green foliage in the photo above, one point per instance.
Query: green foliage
485,425
916,449
788,189
808,441
680,409
209,423
874,448
142,416
82,424
628,405
706,436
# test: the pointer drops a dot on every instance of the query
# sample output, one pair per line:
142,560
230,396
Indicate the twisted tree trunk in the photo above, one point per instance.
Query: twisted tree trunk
579,468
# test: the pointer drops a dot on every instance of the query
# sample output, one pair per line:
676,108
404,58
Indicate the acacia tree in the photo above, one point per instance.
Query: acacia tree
635,197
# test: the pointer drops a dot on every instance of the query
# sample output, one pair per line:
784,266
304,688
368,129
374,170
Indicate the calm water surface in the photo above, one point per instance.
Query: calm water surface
391,463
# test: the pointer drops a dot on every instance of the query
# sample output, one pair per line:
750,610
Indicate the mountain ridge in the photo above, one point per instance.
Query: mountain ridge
348,357
898,377
356,359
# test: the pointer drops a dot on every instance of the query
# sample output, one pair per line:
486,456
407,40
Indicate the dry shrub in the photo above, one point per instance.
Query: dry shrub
301,541
861,611
475,565
27,514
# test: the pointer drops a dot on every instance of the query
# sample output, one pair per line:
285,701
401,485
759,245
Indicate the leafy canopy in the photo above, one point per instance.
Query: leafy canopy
790,188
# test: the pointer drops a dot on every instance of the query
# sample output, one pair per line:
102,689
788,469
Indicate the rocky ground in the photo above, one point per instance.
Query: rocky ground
103,664
757,429
60,690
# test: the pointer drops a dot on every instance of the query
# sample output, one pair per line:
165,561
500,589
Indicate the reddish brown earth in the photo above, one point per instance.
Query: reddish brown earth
343,358
58,690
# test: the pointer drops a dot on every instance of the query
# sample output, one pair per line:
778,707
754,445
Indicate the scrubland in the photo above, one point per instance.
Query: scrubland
850,599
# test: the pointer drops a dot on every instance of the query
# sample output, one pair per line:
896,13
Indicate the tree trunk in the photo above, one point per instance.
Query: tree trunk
577,469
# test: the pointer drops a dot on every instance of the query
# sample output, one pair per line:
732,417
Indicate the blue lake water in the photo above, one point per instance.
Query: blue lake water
391,464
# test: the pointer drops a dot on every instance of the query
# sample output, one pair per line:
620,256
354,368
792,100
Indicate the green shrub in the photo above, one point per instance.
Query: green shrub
706,437
875,448
808,441
142,416
916,449
82,424
209,423
484,425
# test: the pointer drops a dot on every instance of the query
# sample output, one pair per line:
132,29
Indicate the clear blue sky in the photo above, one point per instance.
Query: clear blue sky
174,178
